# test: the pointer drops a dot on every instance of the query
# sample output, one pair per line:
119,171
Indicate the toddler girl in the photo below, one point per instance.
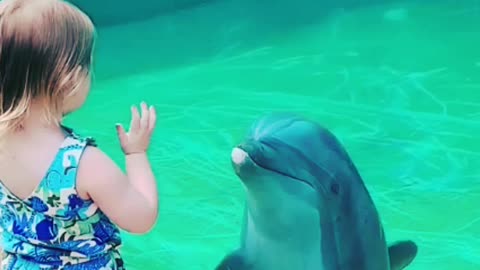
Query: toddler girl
61,197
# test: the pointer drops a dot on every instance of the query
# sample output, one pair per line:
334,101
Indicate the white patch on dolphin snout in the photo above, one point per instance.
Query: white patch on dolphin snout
238,156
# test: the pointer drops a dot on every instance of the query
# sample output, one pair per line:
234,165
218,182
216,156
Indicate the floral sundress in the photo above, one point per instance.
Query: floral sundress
54,228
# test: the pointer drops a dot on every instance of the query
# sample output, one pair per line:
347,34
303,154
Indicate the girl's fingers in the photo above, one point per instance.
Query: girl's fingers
122,135
145,116
135,122
153,119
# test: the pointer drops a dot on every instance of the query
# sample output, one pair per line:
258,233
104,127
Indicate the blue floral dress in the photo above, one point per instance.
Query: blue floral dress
54,228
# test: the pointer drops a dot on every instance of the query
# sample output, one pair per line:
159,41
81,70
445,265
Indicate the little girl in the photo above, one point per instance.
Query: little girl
61,197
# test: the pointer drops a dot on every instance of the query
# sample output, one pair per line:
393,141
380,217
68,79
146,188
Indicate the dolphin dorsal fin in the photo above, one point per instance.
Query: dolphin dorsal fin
401,254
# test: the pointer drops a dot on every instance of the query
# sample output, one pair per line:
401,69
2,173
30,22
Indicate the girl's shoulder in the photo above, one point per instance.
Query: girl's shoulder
78,137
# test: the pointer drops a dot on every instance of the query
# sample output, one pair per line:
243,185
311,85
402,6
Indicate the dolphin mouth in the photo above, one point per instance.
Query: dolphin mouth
246,154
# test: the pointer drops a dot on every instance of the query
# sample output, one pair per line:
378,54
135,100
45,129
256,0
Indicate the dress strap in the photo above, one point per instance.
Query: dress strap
57,194
63,171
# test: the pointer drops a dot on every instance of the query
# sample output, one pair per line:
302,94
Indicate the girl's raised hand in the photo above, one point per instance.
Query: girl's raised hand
137,140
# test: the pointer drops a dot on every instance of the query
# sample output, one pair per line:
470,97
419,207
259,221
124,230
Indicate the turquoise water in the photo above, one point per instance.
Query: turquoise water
397,83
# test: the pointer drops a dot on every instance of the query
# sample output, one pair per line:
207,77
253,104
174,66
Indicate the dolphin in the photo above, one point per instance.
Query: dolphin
306,205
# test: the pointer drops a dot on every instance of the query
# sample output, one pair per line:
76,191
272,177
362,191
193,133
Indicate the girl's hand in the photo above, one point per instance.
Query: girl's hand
137,139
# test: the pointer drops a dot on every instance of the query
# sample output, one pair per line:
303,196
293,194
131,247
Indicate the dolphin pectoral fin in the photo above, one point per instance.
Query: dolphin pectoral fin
402,254
233,261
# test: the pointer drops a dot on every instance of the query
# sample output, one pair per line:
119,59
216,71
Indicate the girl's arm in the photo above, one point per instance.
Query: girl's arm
131,200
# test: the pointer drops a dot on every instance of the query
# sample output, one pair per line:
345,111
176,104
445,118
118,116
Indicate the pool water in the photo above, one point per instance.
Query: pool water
398,84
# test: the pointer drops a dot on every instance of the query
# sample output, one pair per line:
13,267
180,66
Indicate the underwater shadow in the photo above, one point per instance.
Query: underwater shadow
212,31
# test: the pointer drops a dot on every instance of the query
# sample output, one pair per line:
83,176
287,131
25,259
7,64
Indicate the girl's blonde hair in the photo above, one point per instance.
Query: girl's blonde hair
45,56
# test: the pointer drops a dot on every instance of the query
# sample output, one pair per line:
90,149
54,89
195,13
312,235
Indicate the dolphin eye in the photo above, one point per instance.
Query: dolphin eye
335,188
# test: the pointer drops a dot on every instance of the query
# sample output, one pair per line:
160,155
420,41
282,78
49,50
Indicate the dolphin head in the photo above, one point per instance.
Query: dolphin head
303,189
287,164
